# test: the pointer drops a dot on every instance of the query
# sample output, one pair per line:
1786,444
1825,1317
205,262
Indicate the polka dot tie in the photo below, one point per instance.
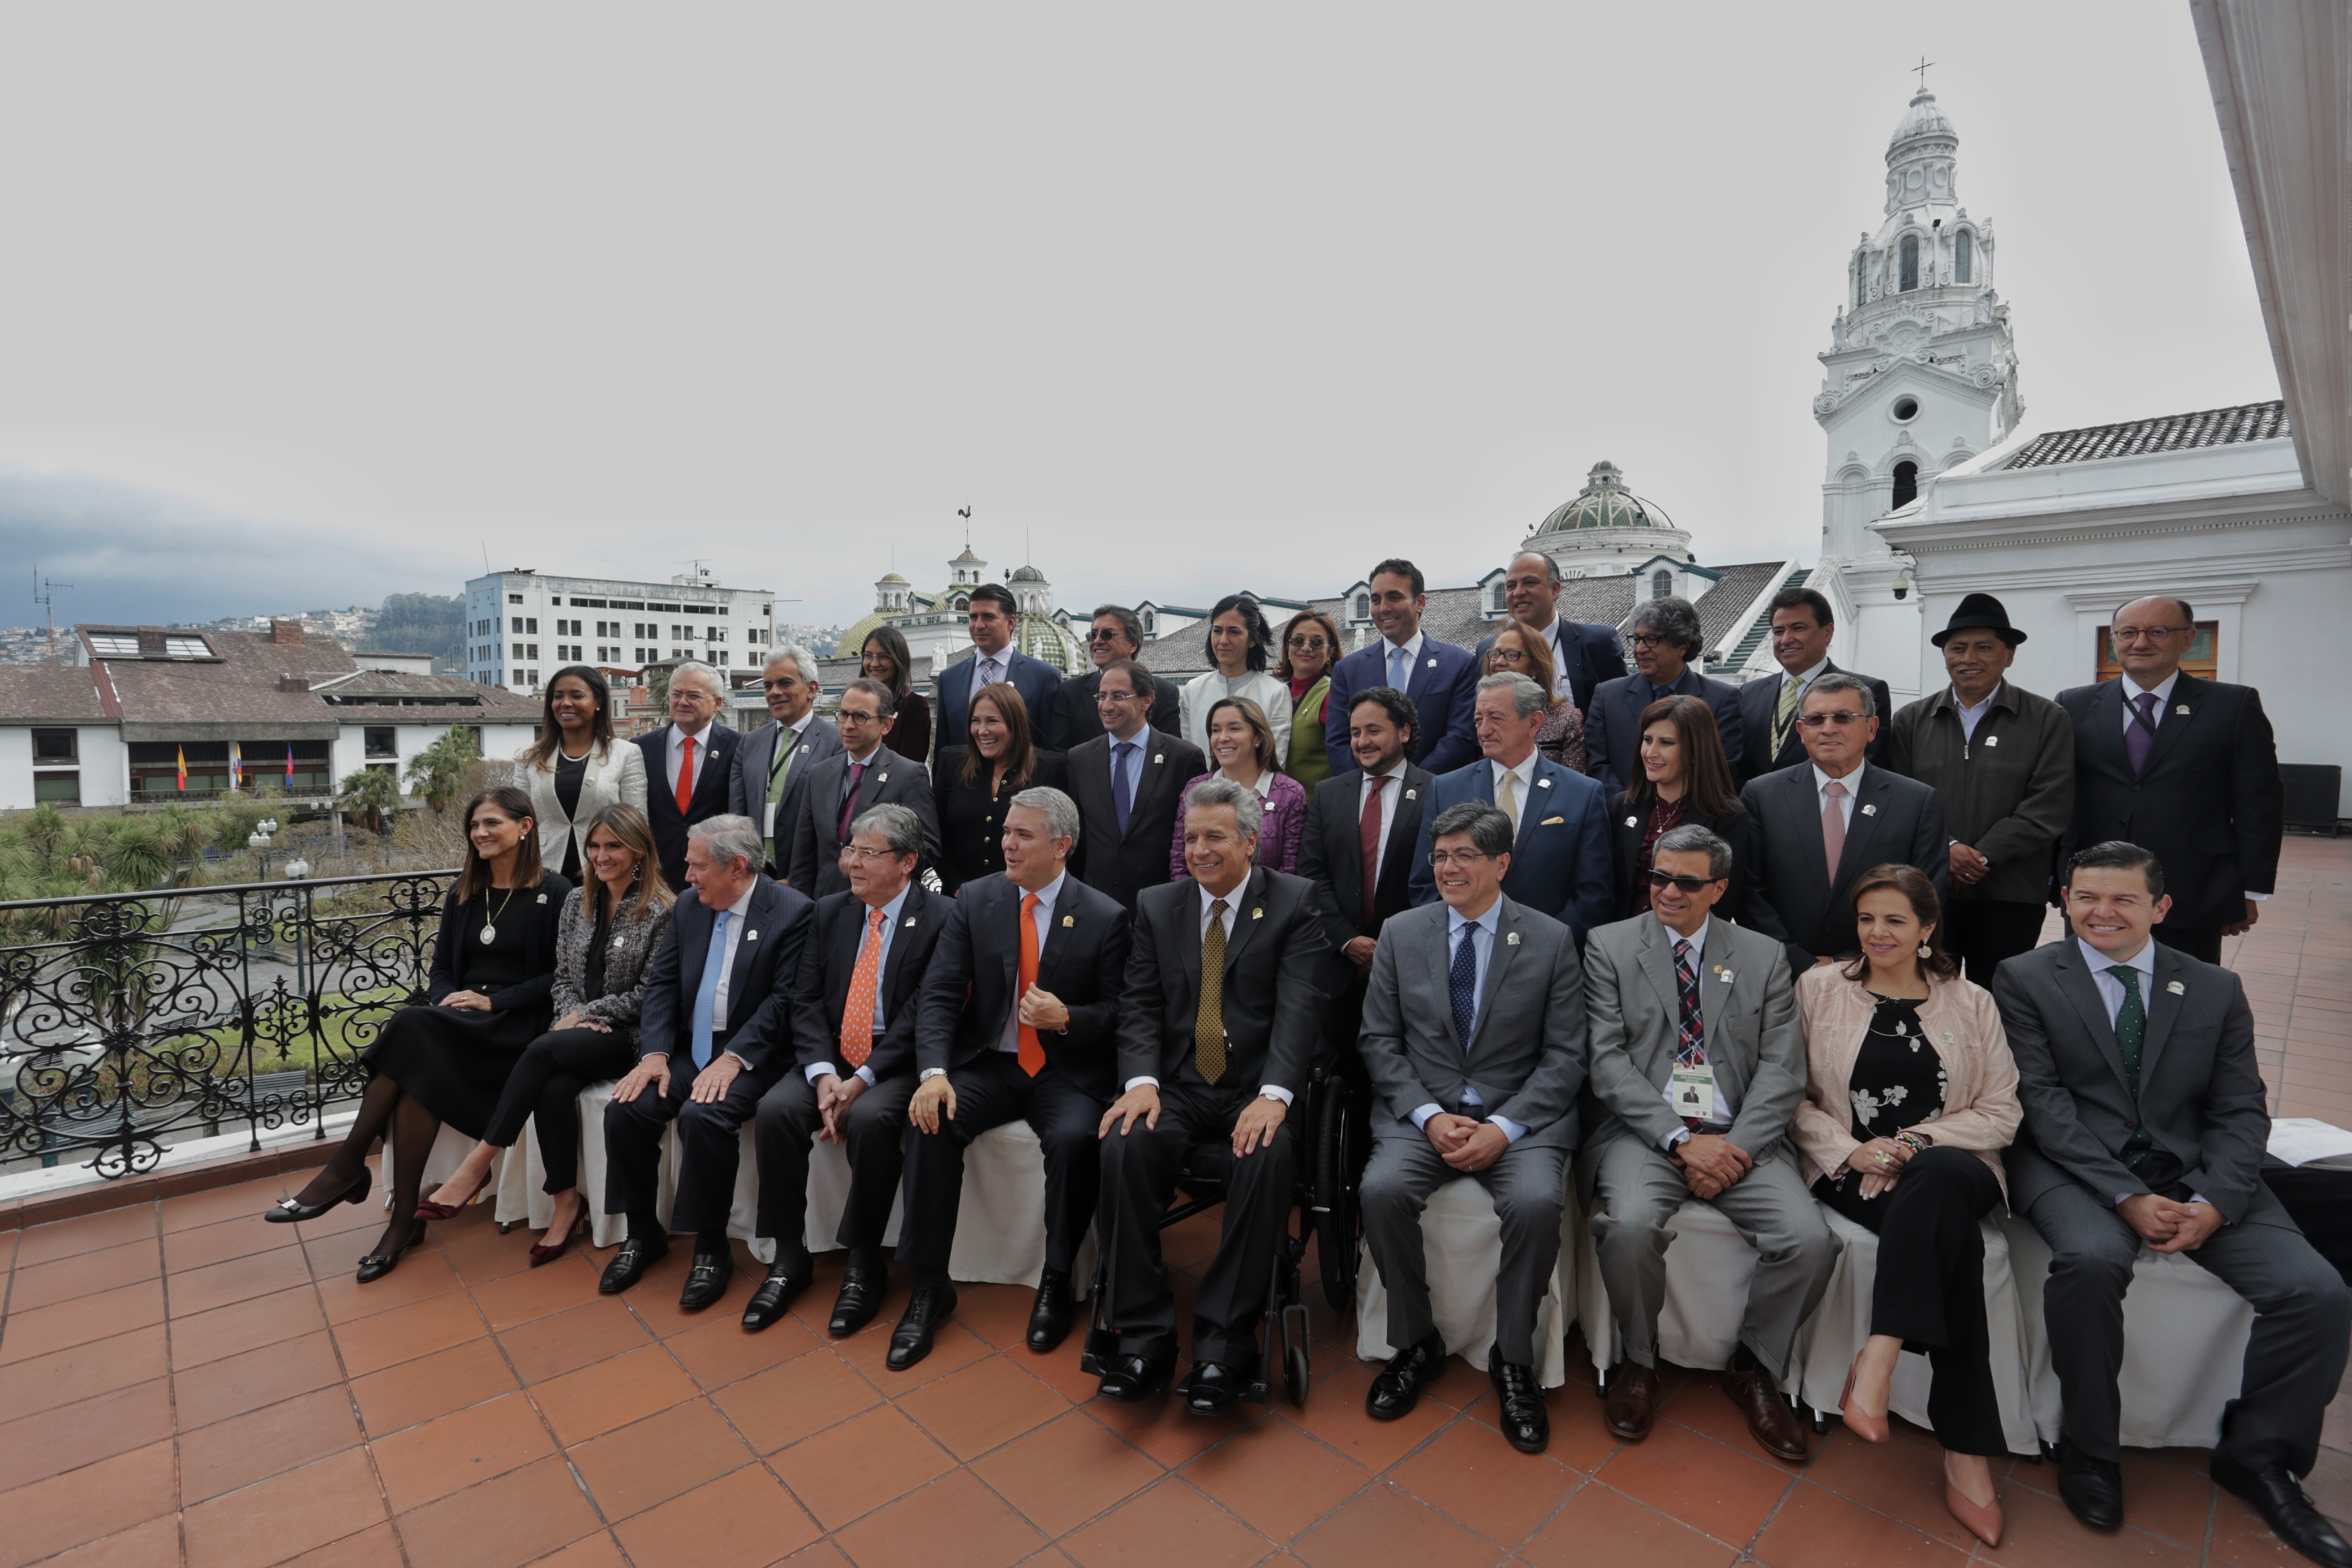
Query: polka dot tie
864,985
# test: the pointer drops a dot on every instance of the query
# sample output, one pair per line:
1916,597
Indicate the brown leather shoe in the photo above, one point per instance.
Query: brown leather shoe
1769,1419
1631,1402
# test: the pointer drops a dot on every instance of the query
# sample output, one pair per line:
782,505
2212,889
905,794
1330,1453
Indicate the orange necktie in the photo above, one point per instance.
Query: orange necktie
858,1015
1032,1054
686,778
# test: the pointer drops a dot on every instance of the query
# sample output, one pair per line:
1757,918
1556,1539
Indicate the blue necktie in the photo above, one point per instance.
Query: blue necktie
1122,798
1463,983
1399,674
706,995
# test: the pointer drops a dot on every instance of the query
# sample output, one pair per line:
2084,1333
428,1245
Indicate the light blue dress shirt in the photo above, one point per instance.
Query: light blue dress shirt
1482,954
881,963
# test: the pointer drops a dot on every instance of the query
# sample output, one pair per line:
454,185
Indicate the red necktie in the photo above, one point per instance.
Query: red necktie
1032,1053
858,1015
1368,843
686,778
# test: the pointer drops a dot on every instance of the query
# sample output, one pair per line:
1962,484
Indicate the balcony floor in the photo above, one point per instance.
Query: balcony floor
180,1383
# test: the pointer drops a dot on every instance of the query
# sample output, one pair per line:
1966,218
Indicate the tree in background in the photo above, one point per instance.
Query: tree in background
441,770
423,622
369,792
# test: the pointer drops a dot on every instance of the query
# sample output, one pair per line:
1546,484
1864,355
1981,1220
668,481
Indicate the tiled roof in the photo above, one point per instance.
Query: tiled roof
48,693
2171,433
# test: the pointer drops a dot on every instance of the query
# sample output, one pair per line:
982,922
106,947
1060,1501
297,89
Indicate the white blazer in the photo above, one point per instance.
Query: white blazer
1202,692
616,776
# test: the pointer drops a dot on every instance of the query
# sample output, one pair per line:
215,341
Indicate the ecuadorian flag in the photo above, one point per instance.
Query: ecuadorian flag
182,753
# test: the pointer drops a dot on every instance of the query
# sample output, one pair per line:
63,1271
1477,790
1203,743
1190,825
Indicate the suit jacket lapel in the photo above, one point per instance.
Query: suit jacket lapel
1862,828
2102,735
1404,832
1714,989
739,958
2074,979
1507,930
1151,776
1249,908
1188,951
2163,1010
1658,963
1441,964
849,939
2186,692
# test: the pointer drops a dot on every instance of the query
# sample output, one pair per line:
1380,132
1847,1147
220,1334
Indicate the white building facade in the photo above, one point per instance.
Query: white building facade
523,625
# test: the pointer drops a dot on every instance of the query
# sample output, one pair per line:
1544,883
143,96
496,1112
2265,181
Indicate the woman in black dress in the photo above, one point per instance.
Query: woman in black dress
884,658
611,929
1683,777
447,1058
974,783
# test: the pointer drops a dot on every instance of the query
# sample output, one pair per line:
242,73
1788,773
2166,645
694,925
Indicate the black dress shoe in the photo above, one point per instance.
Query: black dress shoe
1214,1388
638,1254
910,1342
1527,1425
861,1290
775,1293
2092,1489
293,1211
1397,1389
1049,1319
1131,1379
2285,1508
376,1265
706,1282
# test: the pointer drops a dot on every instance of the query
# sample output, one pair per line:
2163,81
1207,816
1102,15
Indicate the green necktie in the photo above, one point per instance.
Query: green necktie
778,772
1792,693
2131,1033
1209,1018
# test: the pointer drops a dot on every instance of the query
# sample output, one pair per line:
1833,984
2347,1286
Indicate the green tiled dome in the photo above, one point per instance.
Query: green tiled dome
1605,503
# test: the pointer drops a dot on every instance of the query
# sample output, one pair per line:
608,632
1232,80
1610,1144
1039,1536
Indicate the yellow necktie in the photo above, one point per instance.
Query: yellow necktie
1209,1022
1507,797
1792,693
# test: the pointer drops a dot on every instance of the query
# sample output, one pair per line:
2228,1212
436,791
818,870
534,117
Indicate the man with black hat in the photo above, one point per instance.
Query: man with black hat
2003,762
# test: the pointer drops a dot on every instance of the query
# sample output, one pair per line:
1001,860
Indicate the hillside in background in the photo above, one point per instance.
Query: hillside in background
423,623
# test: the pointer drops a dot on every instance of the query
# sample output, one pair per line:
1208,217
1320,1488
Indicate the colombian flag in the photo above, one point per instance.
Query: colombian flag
236,765
182,753
290,765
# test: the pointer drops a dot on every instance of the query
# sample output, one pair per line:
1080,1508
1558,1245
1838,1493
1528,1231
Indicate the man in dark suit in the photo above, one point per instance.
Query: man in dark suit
2146,1121
2185,767
1826,823
1668,641
1018,1017
1216,1035
854,1067
1803,626
772,763
1474,1037
1117,635
720,995
1362,829
1582,655
1126,782
1437,676
689,763
864,774
1564,863
991,620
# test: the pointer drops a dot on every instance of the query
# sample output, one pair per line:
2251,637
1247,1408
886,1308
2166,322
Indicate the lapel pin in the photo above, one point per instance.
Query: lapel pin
2178,989
1723,974
1155,757
909,925
543,898
1510,939
1870,811
751,936
1629,822
1543,783
882,778
1069,921
1992,740
1257,914
2183,708
619,942
1412,795
1433,664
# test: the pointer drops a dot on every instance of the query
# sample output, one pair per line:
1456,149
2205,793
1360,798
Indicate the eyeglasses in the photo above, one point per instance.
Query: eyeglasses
859,852
852,716
2145,634
1506,655
1649,639
1102,697
1306,645
1466,858
1098,634
1687,884
1842,718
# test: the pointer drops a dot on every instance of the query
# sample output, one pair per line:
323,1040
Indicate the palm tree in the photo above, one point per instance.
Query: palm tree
371,791
439,771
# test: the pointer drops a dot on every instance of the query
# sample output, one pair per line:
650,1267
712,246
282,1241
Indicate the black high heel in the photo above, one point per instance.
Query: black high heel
376,1265
293,1211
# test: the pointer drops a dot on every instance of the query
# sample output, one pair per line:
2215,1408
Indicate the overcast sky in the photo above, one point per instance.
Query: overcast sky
300,305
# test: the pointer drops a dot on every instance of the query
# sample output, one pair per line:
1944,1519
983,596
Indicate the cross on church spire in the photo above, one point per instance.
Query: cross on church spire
1921,69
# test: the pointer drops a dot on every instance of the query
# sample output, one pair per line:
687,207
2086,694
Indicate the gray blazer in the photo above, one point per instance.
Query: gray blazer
2201,1092
1526,1056
1755,1040
628,952
747,790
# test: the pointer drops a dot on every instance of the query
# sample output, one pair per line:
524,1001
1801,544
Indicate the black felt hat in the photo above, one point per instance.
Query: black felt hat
1979,610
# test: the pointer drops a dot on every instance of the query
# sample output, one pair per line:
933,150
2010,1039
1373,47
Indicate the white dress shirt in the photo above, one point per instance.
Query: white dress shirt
1561,689
1852,783
1043,917
1391,793
881,962
1482,953
674,756
1233,909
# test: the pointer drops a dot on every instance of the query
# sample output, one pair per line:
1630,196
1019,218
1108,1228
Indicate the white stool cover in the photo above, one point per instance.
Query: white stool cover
1709,1266
1834,1335
2184,1346
1461,1243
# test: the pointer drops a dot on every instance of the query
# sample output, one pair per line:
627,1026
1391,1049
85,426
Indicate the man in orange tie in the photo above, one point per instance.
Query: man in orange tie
855,1054
1018,1018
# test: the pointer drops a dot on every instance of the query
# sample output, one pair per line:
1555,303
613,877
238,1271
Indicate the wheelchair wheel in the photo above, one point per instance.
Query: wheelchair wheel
1335,1193
1294,1375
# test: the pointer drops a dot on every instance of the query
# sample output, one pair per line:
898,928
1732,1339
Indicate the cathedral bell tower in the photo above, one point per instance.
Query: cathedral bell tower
1920,375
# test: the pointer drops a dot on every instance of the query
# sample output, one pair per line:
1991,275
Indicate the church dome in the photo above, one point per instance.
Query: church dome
1027,575
967,559
1923,119
1605,503
891,577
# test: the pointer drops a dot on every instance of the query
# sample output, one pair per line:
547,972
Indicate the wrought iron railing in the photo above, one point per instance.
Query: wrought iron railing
130,1022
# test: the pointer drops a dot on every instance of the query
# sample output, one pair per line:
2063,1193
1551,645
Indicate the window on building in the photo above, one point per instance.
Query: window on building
51,746
531,623
1662,583
1964,256
1910,262
113,644
380,742
1907,483
517,624
57,789
514,598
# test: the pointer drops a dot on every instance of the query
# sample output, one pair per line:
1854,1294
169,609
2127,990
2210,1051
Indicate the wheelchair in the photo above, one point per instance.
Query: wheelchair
1331,1165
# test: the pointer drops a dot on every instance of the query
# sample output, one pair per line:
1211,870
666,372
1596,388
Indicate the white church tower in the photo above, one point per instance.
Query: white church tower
1921,373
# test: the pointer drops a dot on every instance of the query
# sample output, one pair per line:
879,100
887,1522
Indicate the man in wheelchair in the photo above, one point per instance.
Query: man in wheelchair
1222,1015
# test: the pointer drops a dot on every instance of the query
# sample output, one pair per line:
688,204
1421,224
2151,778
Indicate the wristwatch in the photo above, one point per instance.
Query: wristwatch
928,1074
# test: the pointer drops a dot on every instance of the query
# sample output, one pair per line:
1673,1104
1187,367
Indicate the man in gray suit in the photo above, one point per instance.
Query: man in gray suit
1697,1065
864,774
1473,1041
2145,1125
1828,819
771,766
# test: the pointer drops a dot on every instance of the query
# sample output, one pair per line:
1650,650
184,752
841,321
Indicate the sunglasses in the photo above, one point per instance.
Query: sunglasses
1687,884
1842,718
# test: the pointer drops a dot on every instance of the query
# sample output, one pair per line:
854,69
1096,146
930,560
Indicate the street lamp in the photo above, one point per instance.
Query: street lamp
296,870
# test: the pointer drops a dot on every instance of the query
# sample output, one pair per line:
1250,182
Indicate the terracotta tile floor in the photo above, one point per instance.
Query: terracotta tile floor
183,1384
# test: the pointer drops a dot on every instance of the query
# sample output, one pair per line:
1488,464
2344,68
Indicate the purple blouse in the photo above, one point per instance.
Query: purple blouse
1277,838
